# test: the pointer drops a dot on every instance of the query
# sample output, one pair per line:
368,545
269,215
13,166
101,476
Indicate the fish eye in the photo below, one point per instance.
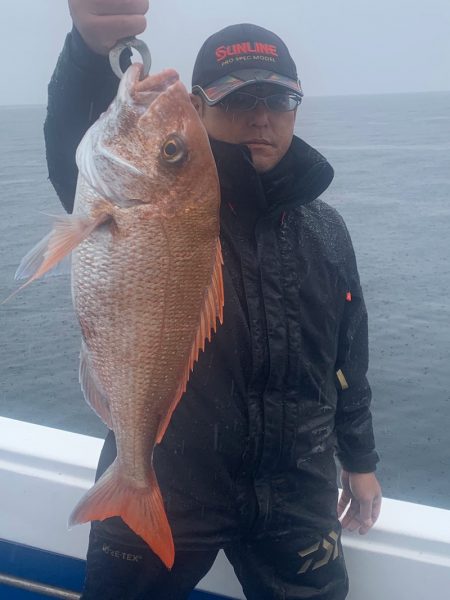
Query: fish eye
173,150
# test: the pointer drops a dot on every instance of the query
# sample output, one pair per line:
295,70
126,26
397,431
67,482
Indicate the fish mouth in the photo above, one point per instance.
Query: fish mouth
145,91
157,83
161,98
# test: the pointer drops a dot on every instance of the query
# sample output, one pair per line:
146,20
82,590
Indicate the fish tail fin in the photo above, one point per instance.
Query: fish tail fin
141,508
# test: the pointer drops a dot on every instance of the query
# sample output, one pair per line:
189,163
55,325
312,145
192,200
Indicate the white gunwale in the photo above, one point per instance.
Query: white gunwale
44,472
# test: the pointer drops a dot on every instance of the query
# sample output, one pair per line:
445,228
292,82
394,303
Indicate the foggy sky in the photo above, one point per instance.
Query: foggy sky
340,46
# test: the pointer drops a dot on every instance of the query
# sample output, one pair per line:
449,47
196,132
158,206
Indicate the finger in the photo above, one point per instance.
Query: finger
351,523
118,26
376,508
350,515
343,502
354,524
103,33
351,518
375,513
365,514
119,7
364,529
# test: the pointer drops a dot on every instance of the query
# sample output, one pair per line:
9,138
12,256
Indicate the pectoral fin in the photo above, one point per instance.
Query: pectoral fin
67,233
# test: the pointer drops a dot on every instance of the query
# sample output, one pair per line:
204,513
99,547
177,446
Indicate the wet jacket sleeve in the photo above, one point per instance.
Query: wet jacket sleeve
355,438
81,88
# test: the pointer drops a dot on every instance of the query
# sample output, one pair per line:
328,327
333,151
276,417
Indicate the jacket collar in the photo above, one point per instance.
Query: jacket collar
299,178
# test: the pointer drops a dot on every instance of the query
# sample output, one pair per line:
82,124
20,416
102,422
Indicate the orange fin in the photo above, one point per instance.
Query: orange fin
67,233
141,508
31,262
91,388
211,311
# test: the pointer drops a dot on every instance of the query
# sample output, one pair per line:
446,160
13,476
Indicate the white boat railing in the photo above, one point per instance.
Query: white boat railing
44,472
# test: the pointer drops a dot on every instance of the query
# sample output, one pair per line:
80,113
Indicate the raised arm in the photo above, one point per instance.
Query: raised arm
83,84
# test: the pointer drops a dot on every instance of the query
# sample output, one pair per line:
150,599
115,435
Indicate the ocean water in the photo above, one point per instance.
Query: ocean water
392,186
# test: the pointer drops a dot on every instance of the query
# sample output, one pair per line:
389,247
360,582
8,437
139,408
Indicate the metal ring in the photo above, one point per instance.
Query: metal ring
130,42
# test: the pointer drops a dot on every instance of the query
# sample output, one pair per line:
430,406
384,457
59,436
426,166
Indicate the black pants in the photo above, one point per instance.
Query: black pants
283,540
283,569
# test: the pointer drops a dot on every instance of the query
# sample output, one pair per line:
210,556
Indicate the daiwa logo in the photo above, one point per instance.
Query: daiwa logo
321,553
224,52
123,555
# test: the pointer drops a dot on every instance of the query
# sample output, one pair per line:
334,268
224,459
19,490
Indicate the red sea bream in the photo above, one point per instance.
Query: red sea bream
146,282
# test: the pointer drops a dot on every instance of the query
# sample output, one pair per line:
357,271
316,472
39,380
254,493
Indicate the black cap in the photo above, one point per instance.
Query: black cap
239,55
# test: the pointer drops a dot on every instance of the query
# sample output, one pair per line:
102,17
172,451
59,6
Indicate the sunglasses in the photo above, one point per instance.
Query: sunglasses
243,101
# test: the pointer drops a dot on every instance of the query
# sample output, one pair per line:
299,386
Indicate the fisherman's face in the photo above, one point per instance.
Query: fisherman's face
266,133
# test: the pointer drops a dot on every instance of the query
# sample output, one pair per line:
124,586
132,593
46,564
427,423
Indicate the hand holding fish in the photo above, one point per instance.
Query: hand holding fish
102,23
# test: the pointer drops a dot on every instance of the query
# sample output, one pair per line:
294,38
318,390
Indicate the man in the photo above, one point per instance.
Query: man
247,463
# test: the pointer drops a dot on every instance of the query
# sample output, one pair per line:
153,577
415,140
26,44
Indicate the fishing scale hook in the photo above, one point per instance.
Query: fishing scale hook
130,42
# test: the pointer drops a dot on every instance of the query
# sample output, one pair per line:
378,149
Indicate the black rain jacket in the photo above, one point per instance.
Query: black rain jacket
282,384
